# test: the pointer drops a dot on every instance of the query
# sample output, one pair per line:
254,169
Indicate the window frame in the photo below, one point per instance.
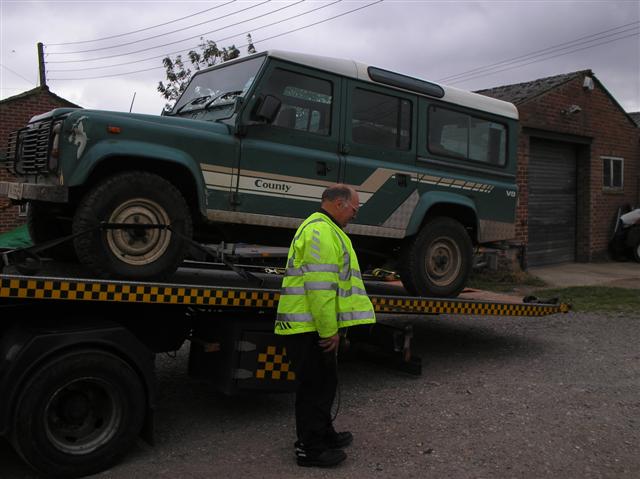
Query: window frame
331,105
399,99
611,160
470,115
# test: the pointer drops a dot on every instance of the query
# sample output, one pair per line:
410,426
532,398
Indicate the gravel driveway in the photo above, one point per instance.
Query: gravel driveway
555,397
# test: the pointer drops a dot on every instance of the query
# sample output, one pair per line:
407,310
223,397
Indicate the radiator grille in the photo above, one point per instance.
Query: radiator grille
28,149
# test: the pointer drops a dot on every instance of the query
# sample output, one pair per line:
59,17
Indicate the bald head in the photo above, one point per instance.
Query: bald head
342,202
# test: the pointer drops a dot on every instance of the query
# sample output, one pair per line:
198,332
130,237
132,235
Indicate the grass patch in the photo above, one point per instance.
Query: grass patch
581,298
503,281
587,299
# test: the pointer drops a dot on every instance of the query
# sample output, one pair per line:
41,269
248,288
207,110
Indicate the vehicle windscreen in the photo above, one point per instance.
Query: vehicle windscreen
207,86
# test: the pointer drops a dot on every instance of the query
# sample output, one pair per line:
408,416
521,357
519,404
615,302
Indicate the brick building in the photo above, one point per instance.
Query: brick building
15,113
579,161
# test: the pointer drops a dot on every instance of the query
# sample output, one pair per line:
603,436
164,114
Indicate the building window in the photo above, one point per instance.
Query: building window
612,173
23,208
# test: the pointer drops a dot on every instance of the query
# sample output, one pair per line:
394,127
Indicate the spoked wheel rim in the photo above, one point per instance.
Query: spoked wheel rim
83,415
138,246
443,261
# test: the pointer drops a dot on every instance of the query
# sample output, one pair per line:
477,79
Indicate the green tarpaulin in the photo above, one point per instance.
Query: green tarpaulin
16,238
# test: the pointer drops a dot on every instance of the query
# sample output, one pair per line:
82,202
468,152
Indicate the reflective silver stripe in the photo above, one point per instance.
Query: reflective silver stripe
345,293
292,290
294,317
315,239
312,268
320,286
316,232
316,247
316,256
356,273
355,315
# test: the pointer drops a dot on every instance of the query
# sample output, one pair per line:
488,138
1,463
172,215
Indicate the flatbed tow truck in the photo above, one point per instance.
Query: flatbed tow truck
77,379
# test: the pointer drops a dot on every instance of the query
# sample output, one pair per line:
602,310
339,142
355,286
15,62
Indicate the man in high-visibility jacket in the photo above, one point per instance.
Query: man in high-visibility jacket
322,291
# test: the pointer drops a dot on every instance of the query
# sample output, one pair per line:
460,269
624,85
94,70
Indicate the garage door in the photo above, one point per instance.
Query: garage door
552,203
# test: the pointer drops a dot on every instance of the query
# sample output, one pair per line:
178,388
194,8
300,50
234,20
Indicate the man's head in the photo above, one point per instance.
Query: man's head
341,202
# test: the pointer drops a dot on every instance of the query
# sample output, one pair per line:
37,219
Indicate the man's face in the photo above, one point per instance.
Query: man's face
348,209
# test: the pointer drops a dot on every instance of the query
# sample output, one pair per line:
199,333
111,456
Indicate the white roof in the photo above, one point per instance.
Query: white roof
353,69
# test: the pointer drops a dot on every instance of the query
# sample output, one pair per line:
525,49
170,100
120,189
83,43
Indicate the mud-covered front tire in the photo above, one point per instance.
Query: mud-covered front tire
78,414
437,262
137,198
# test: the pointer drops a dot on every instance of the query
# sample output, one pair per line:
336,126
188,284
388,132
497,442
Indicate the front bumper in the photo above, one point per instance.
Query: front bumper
34,191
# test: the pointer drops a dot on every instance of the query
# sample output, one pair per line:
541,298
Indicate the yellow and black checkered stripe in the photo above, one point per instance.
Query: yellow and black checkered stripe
20,287
274,365
469,307
131,292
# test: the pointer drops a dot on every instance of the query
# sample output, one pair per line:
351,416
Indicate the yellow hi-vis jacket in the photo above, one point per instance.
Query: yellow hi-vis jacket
322,289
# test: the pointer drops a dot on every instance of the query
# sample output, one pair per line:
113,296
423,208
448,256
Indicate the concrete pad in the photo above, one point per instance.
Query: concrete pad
610,274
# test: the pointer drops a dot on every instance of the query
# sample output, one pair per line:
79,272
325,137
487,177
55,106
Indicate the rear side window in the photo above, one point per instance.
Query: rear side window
381,120
306,101
461,135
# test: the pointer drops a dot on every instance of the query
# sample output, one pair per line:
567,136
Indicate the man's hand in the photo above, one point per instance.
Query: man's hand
330,344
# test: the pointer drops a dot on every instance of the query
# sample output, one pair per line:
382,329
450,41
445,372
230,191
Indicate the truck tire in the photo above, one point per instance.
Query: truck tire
78,413
134,197
438,260
46,222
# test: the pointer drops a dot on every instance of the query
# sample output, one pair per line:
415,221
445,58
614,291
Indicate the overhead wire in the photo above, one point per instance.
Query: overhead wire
157,46
252,30
17,74
142,29
166,33
554,48
542,59
241,46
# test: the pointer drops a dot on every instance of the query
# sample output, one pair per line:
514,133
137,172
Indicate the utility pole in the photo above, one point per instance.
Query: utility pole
43,75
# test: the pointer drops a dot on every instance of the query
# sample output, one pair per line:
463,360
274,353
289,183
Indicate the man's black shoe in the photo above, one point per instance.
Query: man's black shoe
326,458
339,440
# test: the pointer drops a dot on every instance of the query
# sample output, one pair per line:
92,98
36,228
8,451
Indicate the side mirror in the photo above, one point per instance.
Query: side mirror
268,108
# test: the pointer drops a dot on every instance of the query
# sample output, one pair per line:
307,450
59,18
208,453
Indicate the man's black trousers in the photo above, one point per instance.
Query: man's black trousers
317,376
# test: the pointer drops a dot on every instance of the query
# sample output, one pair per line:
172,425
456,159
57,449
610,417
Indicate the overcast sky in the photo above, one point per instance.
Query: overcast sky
492,43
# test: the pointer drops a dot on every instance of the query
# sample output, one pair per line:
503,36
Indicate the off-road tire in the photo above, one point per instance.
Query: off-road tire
78,414
131,197
47,222
437,262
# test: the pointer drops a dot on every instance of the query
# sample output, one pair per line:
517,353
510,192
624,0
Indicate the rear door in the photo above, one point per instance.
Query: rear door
285,166
379,149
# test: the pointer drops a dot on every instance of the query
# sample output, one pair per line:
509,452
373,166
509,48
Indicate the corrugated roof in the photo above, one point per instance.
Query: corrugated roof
522,92
635,116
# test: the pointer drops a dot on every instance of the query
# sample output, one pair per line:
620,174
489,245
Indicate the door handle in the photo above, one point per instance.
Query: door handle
322,169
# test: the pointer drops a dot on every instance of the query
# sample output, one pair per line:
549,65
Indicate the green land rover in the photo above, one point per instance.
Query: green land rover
245,154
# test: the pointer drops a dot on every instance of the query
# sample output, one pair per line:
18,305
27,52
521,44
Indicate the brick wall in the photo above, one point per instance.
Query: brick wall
15,113
612,133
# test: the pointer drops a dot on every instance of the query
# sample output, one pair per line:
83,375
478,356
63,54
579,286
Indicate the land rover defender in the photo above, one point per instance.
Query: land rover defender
245,153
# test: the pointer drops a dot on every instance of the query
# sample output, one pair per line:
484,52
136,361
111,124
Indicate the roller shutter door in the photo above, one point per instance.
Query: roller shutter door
552,202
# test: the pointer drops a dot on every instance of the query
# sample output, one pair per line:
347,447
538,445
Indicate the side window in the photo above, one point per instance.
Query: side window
464,136
381,120
306,101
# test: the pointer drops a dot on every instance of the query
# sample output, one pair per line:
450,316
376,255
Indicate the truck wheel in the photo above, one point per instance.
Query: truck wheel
636,251
438,261
137,198
46,222
78,414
